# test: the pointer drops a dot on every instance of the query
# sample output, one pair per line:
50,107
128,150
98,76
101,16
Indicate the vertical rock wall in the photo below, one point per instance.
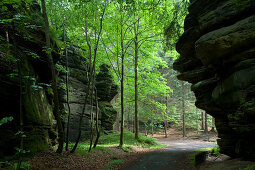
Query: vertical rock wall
217,55
78,81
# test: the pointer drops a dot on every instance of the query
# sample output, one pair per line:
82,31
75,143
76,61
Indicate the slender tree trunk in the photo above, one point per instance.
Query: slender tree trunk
206,127
136,81
197,121
7,43
97,127
117,126
54,82
122,102
152,131
165,122
128,122
67,93
88,87
92,70
122,86
91,124
133,123
202,121
183,110
145,129
213,124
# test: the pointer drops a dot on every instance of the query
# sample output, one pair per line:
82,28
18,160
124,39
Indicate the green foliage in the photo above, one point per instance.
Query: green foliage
216,150
24,165
157,146
251,167
83,148
129,138
5,120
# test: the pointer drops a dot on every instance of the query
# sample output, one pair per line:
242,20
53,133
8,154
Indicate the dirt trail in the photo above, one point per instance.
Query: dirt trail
171,156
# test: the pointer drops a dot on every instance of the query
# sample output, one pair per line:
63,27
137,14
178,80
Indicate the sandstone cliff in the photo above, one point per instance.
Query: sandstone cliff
25,84
217,55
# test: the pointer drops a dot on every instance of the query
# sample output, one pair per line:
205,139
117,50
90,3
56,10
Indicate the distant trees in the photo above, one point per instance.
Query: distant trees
133,44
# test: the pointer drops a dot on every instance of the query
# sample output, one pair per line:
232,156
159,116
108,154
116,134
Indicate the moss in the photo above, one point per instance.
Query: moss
37,139
242,3
251,167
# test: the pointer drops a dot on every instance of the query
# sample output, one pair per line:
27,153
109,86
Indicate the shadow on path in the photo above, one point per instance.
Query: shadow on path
169,157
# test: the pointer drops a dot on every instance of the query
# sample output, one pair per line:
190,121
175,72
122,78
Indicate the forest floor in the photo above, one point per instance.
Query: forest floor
176,155
107,157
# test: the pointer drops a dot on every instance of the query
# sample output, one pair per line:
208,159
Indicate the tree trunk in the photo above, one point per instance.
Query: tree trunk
145,129
97,127
88,88
136,81
202,121
117,125
7,43
54,81
122,87
197,115
67,93
165,122
213,124
183,110
91,70
152,131
206,127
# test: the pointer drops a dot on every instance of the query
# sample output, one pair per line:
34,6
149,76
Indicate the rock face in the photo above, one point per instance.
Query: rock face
25,58
78,80
77,83
25,76
217,55
106,90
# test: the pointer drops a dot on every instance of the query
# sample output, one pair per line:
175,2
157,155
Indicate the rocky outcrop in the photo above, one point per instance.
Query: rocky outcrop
25,82
107,90
78,80
77,83
217,55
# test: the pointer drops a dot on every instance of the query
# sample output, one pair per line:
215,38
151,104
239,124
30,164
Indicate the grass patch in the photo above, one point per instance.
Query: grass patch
113,139
112,163
157,146
83,148
200,155
215,150
129,139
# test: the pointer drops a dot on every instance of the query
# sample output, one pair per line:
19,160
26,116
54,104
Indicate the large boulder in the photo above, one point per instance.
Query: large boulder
218,58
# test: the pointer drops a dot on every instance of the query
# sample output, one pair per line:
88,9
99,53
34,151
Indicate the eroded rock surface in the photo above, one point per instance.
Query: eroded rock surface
78,82
218,57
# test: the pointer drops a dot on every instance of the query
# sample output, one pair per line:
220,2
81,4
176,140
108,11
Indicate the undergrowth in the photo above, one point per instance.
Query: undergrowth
113,139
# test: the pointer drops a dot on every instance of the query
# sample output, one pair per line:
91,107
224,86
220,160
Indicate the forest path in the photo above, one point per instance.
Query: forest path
168,157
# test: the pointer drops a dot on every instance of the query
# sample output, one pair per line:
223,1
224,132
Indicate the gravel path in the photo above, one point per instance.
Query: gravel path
169,157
